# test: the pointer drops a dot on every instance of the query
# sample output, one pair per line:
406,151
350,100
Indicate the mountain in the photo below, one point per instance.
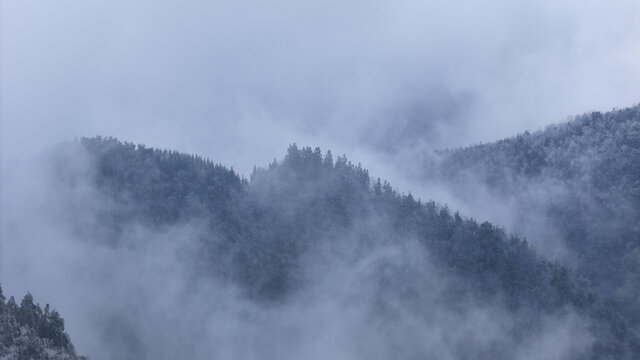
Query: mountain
576,184
28,332
282,235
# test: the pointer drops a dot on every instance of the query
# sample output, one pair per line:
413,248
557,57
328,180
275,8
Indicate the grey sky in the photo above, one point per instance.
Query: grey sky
239,80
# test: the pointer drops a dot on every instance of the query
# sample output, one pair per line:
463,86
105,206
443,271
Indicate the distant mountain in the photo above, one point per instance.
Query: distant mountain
581,178
263,233
28,332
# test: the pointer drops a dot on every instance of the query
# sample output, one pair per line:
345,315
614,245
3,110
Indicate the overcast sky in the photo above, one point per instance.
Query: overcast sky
239,80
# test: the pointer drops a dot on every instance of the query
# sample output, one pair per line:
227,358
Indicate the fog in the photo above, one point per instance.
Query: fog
237,81
139,297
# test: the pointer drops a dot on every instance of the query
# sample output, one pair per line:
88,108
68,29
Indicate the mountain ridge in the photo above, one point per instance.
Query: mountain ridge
272,222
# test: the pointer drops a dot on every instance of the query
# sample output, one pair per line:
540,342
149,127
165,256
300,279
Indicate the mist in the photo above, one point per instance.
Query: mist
139,295
386,83
239,81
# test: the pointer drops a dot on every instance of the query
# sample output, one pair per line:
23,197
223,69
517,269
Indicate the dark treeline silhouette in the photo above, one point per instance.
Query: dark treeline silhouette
260,231
29,332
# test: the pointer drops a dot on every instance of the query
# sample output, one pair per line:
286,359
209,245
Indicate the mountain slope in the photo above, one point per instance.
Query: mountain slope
580,179
270,235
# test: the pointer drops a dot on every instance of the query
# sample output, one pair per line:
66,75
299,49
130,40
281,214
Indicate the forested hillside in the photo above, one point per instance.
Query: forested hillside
271,233
582,178
28,332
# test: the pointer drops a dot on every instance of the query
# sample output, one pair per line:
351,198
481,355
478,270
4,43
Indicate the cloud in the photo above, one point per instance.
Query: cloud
140,296
239,80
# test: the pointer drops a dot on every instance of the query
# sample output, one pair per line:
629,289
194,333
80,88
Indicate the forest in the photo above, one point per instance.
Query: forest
580,178
29,332
313,180
309,230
